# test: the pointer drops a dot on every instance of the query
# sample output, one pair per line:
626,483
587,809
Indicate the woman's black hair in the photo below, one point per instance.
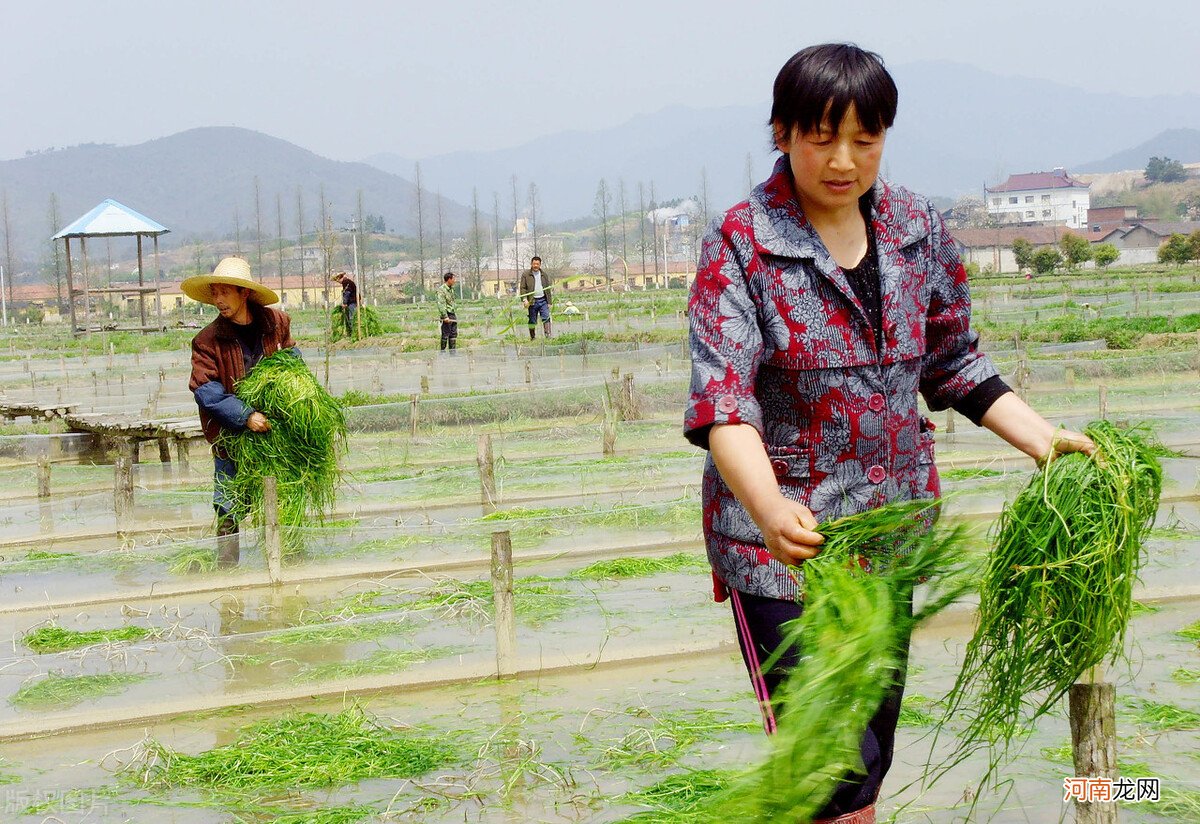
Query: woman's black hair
823,81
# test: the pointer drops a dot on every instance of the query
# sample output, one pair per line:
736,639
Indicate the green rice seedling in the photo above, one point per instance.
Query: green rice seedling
307,435
381,662
61,691
1142,608
1185,675
297,751
1056,596
1191,632
969,473
915,712
192,560
853,631
1163,717
56,639
535,600
368,322
1179,805
680,798
668,737
342,633
618,568
319,815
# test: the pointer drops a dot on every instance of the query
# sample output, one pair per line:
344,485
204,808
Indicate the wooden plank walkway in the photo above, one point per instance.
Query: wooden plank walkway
142,429
44,411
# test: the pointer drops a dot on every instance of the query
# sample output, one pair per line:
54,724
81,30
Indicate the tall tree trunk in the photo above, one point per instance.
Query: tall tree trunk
258,266
642,225
420,227
300,240
55,225
279,238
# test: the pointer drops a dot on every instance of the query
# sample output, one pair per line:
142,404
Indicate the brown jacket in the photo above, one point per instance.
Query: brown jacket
525,289
217,356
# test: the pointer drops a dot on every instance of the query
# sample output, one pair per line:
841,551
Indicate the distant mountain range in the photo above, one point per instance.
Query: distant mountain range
194,182
958,129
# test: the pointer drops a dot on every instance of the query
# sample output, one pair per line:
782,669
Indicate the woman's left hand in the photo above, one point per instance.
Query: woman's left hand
1065,441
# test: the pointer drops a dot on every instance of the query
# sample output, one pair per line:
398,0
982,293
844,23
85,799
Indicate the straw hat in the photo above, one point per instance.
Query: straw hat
233,271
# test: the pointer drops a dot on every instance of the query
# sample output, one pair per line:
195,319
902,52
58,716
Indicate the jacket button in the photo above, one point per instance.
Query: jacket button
876,402
779,467
876,474
727,404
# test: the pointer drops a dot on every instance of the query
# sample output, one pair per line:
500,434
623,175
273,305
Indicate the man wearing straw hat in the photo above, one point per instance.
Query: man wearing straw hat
349,303
245,331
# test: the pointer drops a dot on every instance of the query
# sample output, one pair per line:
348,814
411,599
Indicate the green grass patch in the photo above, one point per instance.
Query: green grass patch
192,560
1191,632
679,798
618,568
56,639
915,711
1142,608
297,751
536,600
969,473
1162,717
344,633
667,737
378,663
61,691
1185,675
1180,805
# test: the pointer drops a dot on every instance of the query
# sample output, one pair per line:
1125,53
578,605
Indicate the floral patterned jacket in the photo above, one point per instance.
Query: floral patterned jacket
780,341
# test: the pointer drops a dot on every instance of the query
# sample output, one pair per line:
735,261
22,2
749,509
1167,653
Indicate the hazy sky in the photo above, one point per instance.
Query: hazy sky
347,79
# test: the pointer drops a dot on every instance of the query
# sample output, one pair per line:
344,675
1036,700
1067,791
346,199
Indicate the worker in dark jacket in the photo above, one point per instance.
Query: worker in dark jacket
349,303
245,331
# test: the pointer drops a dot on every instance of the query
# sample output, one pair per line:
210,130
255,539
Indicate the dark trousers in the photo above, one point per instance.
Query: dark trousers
450,333
351,316
228,543
758,621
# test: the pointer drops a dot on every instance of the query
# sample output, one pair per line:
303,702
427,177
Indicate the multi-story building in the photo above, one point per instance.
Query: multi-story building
1040,198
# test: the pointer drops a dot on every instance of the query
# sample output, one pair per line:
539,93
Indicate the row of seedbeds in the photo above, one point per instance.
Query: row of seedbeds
400,667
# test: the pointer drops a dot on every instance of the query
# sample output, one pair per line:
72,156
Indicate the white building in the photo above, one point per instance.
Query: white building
1040,197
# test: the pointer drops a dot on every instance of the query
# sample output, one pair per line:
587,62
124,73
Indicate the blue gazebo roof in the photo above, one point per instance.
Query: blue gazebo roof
112,219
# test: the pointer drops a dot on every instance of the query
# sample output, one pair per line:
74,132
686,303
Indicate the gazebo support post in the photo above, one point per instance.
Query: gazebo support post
87,297
157,284
71,289
141,283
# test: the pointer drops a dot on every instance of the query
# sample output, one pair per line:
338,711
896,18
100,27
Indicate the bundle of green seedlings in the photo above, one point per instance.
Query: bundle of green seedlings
366,325
1057,594
307,436
853,634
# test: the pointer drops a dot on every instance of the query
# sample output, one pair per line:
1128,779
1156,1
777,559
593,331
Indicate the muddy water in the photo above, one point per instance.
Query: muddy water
569,720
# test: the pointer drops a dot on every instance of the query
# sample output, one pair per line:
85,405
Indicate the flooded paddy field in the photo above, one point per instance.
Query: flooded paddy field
132,671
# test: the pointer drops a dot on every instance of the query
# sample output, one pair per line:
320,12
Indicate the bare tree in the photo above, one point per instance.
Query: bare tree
328,240
624,233
9,255
441,240
360,249
237,230
534,198
516,207
258,269
654,228
279,238
603,202
57,273
496,237
476,284
704,196
420,226
300,240
749,172
642,225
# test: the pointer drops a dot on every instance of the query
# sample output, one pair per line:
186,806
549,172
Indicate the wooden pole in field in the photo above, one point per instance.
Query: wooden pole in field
503,603
413,415
949,421
487,474
272,536
1103,401
629,400
1092,716
43,477
123,490
609,436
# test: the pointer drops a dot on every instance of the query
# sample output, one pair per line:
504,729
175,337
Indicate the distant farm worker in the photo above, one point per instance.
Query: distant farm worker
349,301
536,296
822,306
446,311
245,331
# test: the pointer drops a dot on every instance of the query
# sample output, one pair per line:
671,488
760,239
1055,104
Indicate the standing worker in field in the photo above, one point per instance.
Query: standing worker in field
349,302
822,306
536,296
446,311
245,331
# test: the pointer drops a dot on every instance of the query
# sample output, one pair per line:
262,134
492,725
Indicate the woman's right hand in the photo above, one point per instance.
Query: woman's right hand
789,531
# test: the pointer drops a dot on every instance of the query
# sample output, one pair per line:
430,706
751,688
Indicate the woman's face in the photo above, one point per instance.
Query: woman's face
832,171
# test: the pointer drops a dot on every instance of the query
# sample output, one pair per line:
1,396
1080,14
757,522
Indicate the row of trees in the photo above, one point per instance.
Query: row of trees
1071,253
1180,248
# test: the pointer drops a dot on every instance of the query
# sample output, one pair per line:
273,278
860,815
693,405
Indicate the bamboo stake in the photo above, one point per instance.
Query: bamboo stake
1093,722
272,538
485,460
502,597
43,477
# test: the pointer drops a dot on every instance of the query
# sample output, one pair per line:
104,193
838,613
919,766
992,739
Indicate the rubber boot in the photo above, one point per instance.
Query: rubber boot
532,333
229,547
864,816
546,328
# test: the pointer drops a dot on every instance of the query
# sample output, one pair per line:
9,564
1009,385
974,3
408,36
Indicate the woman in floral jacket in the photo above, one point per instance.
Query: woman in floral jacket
821,307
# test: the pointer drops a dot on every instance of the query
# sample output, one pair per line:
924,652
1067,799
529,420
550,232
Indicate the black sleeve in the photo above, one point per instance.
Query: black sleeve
980,399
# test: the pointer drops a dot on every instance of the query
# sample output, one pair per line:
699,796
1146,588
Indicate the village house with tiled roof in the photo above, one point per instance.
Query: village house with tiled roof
1045,198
